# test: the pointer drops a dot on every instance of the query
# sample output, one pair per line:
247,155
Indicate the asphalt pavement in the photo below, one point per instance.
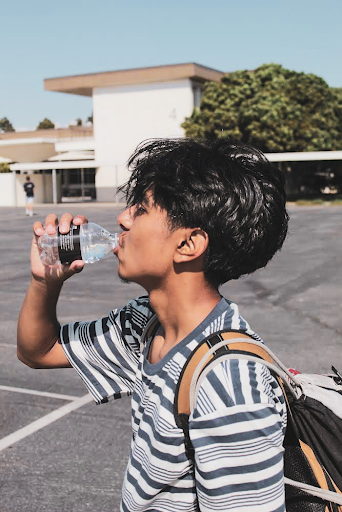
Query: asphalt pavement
61,452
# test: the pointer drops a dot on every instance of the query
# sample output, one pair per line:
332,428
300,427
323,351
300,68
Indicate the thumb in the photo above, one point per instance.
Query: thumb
74,268
78,268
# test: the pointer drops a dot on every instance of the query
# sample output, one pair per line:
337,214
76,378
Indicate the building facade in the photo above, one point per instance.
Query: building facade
129,107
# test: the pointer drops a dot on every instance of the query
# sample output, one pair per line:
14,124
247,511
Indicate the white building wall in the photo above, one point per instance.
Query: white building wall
7,189
126,115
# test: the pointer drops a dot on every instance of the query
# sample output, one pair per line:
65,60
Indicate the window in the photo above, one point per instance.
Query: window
198,91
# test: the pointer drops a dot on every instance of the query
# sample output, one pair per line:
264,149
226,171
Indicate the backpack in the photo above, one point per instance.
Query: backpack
313,440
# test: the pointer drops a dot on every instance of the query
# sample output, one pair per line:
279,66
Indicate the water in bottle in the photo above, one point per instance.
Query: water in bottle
88,242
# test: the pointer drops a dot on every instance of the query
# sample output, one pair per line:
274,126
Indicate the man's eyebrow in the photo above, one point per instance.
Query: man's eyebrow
146,201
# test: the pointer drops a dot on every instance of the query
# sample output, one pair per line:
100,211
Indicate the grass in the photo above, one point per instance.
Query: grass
330,199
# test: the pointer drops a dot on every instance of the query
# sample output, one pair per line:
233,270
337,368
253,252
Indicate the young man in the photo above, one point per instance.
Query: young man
198,214
29,198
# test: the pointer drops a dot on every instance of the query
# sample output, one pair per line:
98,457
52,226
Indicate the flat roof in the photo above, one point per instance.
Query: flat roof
84,84
304,156
49,166
53,133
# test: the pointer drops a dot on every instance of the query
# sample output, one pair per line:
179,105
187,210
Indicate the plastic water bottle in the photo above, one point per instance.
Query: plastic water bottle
88,242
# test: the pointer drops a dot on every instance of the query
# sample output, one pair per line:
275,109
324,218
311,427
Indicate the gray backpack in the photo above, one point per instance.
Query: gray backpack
313,441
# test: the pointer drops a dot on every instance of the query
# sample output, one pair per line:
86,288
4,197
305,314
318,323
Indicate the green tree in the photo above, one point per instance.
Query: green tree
4,168
338,95
46,124
5,125
271,108
76,123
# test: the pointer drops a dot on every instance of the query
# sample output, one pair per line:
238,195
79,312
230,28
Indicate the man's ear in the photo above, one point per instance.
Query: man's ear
192,245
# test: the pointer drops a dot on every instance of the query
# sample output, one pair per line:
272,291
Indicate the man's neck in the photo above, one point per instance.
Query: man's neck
182,307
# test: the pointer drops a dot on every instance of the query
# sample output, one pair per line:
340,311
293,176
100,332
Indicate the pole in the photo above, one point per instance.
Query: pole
14,174
82,184
54,186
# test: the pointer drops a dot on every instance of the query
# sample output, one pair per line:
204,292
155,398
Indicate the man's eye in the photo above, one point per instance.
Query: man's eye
139,210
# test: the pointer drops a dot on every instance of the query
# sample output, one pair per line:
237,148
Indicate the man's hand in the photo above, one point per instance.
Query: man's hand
38,326
41,272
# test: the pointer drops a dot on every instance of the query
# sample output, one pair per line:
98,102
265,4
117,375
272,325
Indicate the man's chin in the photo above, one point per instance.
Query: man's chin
123,279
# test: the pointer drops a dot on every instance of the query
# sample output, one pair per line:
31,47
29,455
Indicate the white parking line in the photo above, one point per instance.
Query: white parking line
44,421
38,393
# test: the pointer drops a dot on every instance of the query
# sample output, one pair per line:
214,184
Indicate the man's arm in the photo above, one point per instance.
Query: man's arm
38,327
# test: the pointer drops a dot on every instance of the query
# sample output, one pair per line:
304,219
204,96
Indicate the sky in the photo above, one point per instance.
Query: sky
45,39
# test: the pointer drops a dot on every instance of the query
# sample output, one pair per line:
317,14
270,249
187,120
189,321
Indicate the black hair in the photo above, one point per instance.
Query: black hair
227,188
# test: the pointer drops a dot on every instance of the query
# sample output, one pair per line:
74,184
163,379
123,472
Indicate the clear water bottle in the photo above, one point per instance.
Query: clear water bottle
88,242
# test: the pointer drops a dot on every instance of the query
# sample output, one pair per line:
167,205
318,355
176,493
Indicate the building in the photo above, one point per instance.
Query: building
62,162
87,163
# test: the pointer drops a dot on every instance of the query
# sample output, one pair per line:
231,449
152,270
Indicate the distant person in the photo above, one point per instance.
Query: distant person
29,190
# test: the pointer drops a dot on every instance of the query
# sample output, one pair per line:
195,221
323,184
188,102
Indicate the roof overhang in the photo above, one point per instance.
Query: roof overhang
49,166
24,141
27,150
304,156
72,156
84,84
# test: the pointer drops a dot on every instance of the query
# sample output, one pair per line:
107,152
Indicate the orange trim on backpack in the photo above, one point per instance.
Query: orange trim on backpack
318,471
184,388
244,346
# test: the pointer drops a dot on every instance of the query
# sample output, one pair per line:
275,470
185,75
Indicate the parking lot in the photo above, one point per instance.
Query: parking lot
61,452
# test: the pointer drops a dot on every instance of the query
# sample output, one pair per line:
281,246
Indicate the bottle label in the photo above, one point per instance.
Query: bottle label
69,247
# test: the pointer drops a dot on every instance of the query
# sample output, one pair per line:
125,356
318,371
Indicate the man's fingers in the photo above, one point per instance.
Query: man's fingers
38,228
80,219
66,219
51,222
64,222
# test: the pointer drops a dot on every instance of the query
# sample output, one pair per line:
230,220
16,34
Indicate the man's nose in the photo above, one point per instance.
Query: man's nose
125,219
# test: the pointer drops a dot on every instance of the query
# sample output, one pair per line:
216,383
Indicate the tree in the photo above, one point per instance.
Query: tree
76,123
5,125
46,124
272,108
4,168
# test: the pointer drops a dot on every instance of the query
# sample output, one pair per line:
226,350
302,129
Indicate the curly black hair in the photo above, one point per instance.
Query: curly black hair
227,188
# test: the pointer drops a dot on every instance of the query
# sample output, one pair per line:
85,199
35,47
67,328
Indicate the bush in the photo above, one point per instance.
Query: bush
4,168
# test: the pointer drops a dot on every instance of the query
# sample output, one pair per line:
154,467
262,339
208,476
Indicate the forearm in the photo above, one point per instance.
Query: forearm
38,327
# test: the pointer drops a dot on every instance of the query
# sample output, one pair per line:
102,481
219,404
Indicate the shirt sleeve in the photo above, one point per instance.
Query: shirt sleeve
237,430
106,352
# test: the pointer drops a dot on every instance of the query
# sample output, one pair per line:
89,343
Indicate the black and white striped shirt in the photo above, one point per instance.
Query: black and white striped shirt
237,427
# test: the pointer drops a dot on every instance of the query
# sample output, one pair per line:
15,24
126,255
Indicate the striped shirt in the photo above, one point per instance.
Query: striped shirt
236,428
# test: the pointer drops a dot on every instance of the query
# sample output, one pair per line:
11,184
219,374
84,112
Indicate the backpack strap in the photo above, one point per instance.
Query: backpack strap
214,346
201,353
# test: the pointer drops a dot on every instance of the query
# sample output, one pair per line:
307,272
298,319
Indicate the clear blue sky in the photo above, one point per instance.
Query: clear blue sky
44,39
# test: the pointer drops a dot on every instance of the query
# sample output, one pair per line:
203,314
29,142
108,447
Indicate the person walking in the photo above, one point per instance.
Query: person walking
29,190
